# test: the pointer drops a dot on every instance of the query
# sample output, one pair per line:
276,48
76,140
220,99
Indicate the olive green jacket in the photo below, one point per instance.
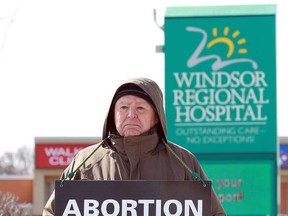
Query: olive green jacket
146,157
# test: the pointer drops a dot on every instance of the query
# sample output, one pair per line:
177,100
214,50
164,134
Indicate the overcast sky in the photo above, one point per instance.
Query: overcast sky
60,61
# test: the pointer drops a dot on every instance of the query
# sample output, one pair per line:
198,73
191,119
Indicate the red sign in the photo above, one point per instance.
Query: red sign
56,155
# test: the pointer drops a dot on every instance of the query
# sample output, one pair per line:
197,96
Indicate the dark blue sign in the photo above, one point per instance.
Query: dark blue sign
284,156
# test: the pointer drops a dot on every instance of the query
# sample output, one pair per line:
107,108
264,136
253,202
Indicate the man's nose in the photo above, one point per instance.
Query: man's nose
132,113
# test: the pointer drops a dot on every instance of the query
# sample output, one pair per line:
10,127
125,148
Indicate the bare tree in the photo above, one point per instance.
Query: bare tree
10,206
19,163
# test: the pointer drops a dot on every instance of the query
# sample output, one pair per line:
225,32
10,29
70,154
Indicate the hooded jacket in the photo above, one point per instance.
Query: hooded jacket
149,156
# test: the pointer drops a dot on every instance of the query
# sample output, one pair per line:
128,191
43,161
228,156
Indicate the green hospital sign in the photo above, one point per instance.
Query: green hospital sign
221,78
220,99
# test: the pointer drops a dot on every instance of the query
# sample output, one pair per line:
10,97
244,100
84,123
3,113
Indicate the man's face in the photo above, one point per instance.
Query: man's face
133,116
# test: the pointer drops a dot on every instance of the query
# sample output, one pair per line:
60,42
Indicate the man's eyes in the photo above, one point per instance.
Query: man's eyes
138,108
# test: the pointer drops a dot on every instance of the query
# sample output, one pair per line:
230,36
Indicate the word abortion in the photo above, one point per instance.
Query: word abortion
131,207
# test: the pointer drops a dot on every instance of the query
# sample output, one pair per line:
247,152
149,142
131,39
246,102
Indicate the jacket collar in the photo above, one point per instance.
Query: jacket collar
138,146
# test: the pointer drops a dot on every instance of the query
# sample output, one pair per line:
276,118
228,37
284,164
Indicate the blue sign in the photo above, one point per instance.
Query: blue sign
283,156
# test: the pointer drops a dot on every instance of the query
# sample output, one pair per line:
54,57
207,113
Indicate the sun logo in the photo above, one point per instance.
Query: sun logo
230,41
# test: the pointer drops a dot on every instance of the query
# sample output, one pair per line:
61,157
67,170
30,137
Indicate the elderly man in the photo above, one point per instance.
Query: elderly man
135,145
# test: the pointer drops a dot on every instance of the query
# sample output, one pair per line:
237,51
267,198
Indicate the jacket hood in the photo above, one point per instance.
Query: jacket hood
152,89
